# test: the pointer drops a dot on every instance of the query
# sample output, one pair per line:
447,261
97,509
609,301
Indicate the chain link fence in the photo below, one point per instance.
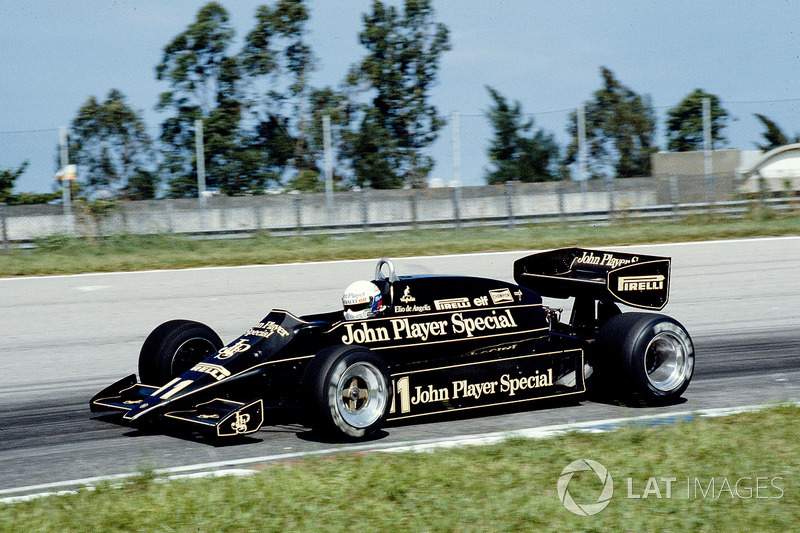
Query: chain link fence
373,210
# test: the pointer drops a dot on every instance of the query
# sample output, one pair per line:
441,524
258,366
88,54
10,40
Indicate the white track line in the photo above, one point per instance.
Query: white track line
239,466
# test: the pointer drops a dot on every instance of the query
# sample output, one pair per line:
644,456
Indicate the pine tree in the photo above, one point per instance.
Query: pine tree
514,155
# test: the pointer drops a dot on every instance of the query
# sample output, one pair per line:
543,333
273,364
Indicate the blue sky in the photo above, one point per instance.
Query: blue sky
54,54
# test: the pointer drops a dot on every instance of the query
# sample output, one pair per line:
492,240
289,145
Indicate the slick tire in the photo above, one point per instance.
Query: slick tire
173,348
346,391
650,356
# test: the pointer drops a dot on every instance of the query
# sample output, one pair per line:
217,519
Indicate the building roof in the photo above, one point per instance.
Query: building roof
779,169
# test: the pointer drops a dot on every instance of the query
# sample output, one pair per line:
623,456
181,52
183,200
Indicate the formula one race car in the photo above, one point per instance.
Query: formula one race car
419,345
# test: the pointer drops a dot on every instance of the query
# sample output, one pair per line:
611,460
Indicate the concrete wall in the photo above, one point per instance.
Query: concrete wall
693,163
352,208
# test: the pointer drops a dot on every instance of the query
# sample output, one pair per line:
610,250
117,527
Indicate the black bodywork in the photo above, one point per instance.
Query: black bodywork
450,343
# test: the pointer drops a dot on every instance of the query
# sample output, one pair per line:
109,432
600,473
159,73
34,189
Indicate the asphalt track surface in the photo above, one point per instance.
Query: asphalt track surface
63,338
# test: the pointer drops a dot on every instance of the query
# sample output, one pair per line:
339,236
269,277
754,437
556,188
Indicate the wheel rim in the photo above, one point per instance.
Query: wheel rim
667,361
190,353
361,395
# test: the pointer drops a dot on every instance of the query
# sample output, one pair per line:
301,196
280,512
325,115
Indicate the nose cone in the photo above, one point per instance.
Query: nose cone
179,387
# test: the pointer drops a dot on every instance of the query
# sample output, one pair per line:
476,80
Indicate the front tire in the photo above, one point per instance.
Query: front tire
346,391
652,356
173,348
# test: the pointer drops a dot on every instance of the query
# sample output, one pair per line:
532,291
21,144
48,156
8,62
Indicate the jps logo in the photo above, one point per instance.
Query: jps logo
239,425
230,351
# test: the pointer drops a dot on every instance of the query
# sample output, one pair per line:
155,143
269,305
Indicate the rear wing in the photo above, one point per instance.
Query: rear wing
633,279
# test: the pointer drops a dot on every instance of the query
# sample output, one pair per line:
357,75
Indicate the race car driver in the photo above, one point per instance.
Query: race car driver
362,299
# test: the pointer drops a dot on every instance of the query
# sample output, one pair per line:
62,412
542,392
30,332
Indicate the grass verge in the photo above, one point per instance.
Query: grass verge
737,473
61,255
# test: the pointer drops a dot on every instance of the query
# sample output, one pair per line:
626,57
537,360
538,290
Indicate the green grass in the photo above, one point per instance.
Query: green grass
62,255
505,487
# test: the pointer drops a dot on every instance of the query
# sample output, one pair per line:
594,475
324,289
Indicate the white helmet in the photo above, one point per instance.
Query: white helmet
362,299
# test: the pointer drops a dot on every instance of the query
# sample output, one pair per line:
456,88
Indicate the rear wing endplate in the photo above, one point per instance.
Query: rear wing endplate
633,279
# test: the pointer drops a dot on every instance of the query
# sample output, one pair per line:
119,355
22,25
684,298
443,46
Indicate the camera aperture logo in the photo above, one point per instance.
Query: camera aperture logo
751,486
588,509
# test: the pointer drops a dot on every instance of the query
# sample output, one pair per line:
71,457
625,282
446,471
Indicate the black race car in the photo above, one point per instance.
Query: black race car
442,343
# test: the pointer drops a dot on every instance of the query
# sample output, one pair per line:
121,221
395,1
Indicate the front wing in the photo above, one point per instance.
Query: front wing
218,417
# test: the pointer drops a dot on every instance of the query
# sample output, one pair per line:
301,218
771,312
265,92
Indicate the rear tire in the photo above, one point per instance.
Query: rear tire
651,356
173,348
346,392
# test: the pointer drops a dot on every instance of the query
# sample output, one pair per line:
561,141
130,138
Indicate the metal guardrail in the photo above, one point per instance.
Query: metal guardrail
728,209
566,202
731,209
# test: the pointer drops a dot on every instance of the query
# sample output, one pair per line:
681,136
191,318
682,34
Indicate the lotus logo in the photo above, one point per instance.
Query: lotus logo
591,508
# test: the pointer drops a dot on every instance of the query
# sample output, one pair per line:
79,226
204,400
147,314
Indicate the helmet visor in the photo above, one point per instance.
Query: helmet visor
355,308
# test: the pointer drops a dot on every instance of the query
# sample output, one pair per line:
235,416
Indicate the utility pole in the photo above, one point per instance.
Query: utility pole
582,174
65,181
201,162
708,150
454,121
328,152
4,229
68,174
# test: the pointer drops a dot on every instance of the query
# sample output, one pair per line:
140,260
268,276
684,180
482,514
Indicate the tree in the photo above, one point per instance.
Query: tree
513,155
204,84
109,141
375,154
142,185
401,65
274,146
685,123
276,49
341,109
774,136
7,178
306,180
620,128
